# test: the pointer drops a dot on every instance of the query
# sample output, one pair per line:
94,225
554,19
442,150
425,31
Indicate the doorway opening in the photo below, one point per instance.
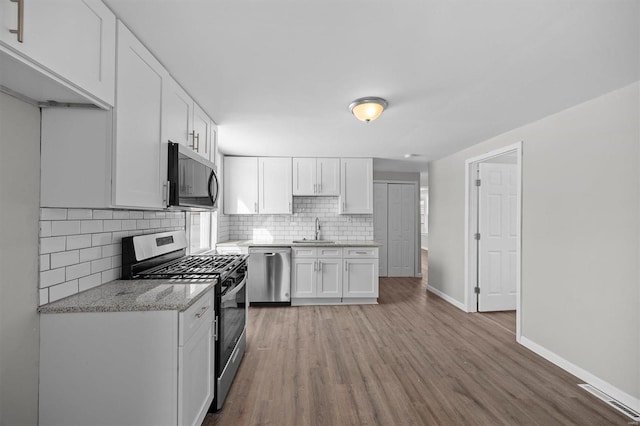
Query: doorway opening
493,196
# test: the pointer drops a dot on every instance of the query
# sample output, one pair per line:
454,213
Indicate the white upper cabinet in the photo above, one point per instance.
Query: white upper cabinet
70,42
257,185
177,113
185,122
275,186
316,176
356,186
140,157
213,142
304,176
240,182
201,132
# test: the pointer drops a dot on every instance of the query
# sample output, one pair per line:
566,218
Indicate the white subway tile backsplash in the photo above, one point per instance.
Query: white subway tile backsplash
90,281
52,244
53,214
83,246
110,275
77,271
299,225
78,241
100,265
65,258
111,250
51,277
103,214
92,253
91,226
44,262
65,227
112,225
45,228
121,214
44,296
59,291
129,224
79,214
101,239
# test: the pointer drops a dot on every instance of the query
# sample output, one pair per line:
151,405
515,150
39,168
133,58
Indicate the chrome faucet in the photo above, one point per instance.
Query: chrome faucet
317,228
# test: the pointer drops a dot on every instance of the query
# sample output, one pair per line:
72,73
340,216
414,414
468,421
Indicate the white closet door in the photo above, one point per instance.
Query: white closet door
402,230
498,237
380,208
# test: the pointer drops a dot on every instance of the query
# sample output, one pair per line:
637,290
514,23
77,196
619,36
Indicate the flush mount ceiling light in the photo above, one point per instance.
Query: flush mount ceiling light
368,108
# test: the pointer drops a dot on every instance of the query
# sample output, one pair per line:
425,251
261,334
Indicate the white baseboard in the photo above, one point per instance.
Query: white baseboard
448,298
583,374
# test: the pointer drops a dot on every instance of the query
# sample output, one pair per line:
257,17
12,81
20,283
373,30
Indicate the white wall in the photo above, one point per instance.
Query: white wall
580,235
19,211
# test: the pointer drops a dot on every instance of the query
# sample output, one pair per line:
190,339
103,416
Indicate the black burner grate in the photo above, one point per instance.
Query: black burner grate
196,266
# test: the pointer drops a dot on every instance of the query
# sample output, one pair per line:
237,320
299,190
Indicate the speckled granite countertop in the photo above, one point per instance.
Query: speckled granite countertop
131,295
289,243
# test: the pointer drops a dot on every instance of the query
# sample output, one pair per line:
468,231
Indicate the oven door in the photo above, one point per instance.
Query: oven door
232,319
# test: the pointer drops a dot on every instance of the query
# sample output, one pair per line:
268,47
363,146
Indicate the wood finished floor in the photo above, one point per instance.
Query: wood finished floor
414,359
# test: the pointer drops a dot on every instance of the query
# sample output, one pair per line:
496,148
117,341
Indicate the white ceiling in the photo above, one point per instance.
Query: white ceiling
278,76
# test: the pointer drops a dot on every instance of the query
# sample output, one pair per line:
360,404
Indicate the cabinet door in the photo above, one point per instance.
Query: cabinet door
275,185
329,278
74,39
195,388
200,138
240,185
138,138
356,185
328,176
177,113
304,176
360,278
303,277
213,142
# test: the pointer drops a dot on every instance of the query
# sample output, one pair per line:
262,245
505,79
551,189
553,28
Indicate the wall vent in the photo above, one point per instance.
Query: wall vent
634,415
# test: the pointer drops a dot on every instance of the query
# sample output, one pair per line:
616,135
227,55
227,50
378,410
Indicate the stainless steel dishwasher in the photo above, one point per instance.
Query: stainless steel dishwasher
269,271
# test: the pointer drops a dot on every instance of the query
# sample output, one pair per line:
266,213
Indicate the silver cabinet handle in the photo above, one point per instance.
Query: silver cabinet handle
290,211
346,265
361,252
19,32
255,207
315,268
193,139
202,311
196,138
314,188
320,265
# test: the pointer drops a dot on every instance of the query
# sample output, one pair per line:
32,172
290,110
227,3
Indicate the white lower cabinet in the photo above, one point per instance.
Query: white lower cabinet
323,275
127,368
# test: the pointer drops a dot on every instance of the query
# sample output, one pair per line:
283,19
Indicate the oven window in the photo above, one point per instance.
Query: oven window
201,230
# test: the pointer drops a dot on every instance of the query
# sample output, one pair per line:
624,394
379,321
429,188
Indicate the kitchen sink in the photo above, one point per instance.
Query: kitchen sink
305,241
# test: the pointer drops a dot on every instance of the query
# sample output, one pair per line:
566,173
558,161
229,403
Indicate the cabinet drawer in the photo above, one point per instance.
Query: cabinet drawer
304,251
329,251
199,313
357,252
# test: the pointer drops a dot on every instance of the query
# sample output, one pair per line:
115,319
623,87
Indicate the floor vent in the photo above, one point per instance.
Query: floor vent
633,415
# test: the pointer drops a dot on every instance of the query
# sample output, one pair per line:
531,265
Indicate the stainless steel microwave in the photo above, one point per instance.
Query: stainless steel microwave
193,183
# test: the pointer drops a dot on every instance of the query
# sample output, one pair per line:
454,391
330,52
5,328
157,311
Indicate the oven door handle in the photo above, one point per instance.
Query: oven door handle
229,295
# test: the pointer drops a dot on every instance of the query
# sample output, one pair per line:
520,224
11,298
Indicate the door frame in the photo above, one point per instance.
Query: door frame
470,218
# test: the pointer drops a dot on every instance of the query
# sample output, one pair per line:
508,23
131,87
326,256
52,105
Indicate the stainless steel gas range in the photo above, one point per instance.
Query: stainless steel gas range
163,256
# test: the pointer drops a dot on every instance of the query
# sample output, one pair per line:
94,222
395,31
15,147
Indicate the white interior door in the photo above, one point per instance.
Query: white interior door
402,230
380,209
498,237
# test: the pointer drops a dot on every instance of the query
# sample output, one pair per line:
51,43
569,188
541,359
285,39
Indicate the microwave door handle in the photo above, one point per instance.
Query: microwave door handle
213,179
